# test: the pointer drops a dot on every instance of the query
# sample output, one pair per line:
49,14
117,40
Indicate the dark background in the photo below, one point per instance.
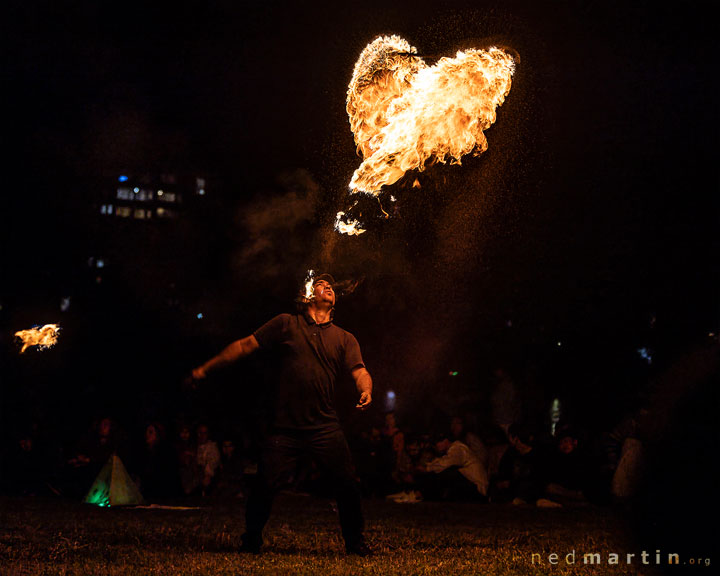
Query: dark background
588,230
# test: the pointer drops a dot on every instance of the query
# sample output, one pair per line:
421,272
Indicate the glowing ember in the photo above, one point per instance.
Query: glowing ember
405,114
43,338
350,227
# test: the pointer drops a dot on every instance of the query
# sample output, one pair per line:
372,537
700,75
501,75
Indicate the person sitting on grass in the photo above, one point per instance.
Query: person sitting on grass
410,467
456,474
522,476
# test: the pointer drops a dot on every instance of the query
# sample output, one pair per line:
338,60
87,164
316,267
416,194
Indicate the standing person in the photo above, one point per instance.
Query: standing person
312,353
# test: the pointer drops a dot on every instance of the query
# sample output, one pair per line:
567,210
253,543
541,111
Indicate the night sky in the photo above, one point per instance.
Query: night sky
588,229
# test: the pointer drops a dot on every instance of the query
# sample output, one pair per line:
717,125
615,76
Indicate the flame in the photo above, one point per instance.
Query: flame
309,284
349,227
43,338
405,114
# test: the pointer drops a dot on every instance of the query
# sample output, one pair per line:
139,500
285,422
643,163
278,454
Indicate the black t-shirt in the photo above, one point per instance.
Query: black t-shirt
310,359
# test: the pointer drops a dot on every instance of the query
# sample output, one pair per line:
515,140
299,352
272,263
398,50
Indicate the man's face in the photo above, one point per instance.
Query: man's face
323,292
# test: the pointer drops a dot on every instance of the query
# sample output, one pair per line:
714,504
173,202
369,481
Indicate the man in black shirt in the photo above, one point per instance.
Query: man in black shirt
312,353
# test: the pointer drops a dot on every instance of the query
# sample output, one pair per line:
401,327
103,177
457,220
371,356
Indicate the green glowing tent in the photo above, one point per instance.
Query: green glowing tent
114,487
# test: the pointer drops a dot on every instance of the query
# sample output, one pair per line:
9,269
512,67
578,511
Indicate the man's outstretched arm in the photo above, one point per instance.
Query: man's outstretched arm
363,382
232,353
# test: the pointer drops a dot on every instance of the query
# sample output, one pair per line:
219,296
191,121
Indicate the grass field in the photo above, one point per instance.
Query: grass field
40,536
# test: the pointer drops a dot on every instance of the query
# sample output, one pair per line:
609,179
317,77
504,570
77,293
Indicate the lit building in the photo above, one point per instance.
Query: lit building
148,197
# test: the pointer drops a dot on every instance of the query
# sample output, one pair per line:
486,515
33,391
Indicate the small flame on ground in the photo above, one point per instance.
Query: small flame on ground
43,338
404,113
349,227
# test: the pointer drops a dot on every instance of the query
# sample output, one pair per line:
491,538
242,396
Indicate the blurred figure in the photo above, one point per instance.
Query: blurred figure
24,469
367,455
231,477
186,458
392,434
505,402
156,466
208,458
92,452
393,442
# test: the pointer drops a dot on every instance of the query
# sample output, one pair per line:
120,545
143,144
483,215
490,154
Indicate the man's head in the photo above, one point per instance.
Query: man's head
320,293
442,443
322,290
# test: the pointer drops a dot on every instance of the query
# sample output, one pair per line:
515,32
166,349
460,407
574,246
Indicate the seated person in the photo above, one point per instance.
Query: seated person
568,472
521,476
456,474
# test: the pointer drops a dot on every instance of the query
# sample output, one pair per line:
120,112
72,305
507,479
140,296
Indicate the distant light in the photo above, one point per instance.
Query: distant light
555,413
390,400
201,191
645,354
453,373
65,304
100,263
160,192
200,316
392,199
123,178
136,190
559,343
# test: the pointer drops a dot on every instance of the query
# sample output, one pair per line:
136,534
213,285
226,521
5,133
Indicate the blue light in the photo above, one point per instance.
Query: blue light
200,316
123,178
645,354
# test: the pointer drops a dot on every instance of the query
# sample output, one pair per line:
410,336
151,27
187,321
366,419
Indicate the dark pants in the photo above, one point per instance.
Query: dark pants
278,462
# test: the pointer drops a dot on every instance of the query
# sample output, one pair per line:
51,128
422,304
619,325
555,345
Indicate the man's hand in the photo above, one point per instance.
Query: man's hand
192,381
365,401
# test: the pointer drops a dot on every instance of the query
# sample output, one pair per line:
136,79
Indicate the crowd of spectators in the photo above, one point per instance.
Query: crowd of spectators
513,463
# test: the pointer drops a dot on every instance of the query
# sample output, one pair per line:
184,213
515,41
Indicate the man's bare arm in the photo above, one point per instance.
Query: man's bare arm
363,382
232,353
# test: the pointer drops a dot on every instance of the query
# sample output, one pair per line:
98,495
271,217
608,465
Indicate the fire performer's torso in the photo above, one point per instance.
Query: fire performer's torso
311,357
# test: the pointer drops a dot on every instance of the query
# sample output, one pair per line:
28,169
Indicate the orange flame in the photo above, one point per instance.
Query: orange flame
404,113
43,338
309,279
349,227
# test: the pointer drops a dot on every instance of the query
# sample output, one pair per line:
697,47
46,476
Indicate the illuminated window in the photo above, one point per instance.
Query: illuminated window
200,186
124,212
124,193
167,196
142,214
161,212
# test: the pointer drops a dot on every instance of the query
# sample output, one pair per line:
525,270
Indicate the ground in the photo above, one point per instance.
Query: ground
54,536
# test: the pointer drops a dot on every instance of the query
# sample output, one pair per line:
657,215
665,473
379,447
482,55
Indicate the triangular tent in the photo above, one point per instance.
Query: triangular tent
114,487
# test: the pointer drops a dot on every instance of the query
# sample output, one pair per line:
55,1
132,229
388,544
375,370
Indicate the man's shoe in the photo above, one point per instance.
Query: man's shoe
360,549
